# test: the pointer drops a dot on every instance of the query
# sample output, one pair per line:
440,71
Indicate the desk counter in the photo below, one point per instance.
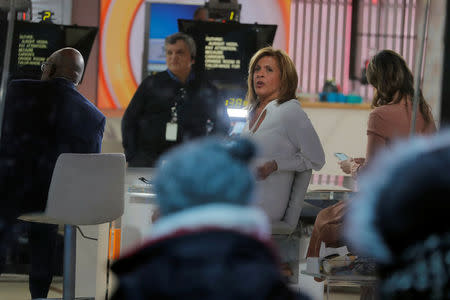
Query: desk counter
140,204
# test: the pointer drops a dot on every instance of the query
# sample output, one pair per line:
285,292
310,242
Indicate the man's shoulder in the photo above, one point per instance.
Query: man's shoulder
202,77
25,81
76,101
90,106
25,84
201,81
158,76
155,79
45,88
27,91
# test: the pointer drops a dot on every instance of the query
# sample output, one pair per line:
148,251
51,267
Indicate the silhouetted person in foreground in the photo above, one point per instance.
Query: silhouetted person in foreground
209,243
42,119
400,219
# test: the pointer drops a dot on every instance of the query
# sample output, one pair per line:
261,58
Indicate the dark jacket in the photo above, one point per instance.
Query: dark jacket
205,264
144,121
42,119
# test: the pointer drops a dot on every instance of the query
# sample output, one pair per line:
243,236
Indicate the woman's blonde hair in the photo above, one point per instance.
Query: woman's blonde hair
288,74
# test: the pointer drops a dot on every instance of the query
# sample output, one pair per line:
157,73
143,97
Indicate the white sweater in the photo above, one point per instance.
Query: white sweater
287,136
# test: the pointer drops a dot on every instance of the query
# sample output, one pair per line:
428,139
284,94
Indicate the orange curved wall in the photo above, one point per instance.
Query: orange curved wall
285,6
116,82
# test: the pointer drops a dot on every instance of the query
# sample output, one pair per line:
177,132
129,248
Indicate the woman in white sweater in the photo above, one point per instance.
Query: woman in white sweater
278,125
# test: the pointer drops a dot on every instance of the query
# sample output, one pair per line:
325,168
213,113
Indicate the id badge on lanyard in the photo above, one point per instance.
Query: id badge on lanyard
171,131
172,126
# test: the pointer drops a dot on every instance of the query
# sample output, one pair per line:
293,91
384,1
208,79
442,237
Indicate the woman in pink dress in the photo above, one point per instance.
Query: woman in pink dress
393,81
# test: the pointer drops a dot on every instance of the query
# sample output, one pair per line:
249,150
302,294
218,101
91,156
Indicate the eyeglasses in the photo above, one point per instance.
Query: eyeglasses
44,64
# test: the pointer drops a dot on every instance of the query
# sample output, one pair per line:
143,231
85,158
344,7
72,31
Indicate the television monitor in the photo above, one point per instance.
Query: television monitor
161,20
224,50
34,42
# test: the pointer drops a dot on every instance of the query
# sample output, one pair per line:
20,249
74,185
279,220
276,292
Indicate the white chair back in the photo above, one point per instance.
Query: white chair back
289,244
289,222
86,189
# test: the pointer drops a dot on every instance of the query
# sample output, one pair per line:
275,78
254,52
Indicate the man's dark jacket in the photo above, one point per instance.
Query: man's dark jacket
42,119
144,121
212,264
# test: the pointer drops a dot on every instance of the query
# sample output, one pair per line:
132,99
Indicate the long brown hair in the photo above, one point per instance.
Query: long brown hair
288,74
394,81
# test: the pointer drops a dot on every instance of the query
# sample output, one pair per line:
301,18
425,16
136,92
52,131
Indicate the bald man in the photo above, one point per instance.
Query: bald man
42,119
65,63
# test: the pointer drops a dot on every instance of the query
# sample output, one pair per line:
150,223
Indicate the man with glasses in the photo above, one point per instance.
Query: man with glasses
42,119
171,107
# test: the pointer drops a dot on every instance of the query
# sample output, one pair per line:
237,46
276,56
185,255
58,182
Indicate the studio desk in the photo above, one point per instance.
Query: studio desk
119,237
140,205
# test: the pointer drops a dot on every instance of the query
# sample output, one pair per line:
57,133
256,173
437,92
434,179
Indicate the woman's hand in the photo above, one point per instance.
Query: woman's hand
266,169
351,165
359,160
346,165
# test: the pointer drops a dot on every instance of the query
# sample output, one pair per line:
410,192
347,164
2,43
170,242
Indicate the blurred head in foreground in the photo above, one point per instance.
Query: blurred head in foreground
400,218
203,172
209,242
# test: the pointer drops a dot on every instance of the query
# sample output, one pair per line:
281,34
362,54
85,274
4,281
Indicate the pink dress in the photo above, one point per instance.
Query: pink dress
386,124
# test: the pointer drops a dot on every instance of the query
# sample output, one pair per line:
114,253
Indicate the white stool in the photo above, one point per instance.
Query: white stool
86,189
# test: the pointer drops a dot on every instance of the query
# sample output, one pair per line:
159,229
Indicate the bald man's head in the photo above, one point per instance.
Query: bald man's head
67,63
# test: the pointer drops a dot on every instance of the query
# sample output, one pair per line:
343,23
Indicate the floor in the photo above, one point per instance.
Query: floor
15,287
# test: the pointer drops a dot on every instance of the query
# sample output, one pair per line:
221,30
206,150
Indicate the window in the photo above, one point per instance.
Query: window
333,39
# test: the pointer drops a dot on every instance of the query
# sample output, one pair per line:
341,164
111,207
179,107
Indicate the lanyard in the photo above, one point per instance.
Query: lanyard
180,97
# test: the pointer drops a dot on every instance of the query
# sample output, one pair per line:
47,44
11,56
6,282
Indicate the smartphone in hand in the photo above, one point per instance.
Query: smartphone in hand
341,156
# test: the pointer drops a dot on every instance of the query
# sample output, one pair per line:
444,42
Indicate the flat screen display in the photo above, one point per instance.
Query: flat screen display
161,21
224,50
34,42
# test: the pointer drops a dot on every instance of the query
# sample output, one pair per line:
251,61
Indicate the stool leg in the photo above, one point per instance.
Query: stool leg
69,262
